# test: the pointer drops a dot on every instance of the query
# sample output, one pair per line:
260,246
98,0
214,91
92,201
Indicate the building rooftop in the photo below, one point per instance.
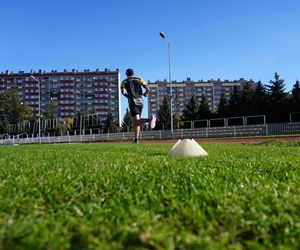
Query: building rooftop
7,73
189,80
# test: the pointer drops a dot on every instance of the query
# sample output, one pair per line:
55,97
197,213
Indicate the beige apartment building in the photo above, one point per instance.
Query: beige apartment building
183,91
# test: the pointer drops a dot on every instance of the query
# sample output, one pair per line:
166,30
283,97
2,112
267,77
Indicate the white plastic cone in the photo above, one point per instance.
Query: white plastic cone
175,145
187,147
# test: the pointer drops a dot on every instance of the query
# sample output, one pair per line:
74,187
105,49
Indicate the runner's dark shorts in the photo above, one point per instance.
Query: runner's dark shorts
134,109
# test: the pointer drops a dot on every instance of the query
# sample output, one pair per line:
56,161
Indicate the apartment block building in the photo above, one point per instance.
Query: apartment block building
73,92
183,91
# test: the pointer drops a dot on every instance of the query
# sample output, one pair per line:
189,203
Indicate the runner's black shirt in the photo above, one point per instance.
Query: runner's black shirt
133,86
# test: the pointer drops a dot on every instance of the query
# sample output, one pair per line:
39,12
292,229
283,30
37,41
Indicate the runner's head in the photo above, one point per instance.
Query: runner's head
129,72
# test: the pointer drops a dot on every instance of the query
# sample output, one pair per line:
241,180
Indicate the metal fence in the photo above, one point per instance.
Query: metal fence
213,132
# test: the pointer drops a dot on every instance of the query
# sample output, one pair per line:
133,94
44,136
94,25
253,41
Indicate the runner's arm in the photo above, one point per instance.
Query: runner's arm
123,91
147,90
143,83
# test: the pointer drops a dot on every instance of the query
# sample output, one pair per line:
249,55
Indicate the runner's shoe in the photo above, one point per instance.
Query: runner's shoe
153,121
135,141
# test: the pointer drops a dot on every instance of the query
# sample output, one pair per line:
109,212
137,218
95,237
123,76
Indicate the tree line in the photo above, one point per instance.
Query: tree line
270,100
14,113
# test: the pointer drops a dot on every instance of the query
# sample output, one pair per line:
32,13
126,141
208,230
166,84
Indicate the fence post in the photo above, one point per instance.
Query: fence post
159,134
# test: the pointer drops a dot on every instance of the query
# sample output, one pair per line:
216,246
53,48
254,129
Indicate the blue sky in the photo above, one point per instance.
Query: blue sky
226,39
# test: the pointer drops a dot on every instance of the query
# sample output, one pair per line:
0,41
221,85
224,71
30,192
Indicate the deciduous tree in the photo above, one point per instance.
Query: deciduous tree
109,123
12,111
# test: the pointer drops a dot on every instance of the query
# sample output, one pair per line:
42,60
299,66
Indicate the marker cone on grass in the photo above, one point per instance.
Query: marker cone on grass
187,147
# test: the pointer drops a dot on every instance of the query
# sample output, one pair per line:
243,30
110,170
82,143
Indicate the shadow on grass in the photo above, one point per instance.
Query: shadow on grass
276,143
157,154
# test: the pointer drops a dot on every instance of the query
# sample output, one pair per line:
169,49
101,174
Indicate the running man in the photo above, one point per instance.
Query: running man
131,88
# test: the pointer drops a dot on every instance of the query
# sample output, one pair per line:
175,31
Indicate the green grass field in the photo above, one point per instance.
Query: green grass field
98,196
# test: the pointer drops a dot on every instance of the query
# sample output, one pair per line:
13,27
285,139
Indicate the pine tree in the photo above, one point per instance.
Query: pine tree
190,112
127,123
246,104
278,101
164,114
276,89
223,107
204,111
296,96
259,100
234,102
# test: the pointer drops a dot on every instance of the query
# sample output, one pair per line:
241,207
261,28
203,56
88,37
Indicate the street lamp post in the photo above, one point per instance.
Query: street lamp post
39,104
170,82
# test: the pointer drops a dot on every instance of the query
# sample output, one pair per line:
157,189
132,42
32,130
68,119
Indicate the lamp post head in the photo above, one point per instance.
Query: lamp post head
162,35
33,78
